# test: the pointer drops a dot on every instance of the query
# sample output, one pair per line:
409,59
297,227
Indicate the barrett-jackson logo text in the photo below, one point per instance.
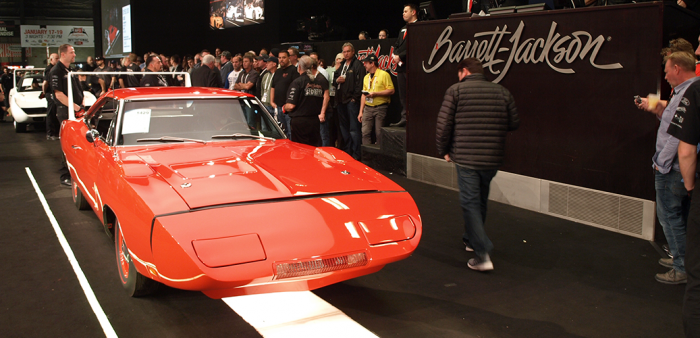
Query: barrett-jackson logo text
554,50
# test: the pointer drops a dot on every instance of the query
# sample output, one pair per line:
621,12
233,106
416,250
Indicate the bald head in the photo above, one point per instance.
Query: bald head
53,58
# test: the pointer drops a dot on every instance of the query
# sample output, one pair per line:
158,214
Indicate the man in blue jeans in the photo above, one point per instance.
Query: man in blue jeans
672,202
472,125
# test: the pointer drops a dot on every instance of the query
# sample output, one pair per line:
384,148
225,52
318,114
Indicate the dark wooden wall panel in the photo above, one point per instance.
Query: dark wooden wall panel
579,128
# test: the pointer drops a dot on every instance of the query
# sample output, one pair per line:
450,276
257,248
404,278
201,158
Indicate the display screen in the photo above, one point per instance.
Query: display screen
116,28
235,13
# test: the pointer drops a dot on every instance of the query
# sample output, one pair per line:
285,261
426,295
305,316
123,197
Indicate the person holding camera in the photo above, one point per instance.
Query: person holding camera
685,126
377,89
672,200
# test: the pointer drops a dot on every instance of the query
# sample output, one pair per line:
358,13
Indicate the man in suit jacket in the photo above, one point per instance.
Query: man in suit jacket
207,75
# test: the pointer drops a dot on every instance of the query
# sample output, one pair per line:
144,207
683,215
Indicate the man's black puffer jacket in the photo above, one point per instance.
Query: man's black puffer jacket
473,121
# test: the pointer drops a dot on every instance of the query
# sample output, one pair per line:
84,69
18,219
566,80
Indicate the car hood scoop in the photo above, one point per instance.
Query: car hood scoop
215,174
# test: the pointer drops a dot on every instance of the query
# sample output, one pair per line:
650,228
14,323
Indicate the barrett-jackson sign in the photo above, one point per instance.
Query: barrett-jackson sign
497,55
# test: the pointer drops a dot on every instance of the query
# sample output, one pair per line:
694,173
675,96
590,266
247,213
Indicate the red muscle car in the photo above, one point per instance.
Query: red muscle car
201,190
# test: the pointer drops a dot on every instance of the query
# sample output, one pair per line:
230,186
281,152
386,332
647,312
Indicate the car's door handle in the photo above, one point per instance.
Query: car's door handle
76,147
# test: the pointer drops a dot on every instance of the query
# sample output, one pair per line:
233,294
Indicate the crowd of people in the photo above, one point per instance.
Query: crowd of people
348,98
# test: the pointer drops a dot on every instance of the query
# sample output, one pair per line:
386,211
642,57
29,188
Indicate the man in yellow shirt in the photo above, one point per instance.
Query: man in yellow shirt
377,89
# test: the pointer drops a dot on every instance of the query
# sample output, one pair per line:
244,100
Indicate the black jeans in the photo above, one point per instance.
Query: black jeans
52,125
691,301
401,83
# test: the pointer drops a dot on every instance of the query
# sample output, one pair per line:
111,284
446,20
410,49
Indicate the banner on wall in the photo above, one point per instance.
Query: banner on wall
7,30
54,36
10,50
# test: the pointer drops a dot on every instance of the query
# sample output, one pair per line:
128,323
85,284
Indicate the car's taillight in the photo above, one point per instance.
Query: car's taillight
319,266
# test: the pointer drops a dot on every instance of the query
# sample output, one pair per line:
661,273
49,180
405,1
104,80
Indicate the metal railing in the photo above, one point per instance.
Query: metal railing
71,111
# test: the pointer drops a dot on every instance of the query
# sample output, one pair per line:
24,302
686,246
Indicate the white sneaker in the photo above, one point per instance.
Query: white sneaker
481,264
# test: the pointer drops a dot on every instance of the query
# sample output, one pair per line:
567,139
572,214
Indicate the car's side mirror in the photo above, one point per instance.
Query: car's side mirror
92,135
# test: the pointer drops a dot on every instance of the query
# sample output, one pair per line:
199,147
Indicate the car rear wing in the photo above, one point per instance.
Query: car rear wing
71,111
14,74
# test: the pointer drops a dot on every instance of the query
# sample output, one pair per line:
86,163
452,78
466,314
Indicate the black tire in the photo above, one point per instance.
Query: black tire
135,284
20,127
78,199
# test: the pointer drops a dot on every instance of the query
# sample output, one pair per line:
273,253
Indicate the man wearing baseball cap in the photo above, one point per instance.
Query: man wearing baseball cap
106,81
377,89
260,64
265,84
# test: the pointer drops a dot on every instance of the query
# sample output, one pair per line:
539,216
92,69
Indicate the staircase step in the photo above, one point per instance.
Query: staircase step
378,159
393,142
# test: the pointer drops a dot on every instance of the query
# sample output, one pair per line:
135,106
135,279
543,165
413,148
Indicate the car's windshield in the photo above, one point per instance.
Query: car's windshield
196,119
30,83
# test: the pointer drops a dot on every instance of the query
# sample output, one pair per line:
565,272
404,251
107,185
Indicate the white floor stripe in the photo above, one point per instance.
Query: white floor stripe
295,314
101,316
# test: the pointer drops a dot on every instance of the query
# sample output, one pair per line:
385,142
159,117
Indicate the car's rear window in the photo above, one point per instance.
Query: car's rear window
30,84
195,119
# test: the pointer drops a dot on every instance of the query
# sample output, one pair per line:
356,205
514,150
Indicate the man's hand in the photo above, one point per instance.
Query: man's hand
340,79
682,3
397,59
359,117
370,95
322,117
447,158
658,110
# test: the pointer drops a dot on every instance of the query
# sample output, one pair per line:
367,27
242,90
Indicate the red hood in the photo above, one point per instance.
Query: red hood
229,172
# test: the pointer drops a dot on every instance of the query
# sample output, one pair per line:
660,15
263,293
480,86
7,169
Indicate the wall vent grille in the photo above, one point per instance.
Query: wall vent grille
601,209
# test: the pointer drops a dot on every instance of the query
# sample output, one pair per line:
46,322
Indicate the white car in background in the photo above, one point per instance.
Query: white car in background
27,105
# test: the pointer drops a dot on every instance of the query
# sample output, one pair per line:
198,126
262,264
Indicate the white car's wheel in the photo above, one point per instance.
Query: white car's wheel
20,127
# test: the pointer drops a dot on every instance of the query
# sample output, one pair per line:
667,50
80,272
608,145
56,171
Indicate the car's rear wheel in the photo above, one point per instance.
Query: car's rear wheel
135,284
20,127
80,202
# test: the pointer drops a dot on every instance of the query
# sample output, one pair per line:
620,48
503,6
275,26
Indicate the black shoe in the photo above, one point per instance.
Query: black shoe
66,181
401,123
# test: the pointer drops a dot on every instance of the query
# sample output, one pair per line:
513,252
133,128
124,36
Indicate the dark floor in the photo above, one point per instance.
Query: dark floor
552,277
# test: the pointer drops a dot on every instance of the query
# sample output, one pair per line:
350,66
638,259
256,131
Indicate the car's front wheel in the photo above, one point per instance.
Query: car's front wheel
20,127
135,284
80,202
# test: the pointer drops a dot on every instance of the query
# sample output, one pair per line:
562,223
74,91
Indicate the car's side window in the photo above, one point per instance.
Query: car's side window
109,119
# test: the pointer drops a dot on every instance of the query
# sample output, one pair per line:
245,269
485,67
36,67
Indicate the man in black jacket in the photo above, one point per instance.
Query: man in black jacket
471,132
153,64
348,81
410,15
207,75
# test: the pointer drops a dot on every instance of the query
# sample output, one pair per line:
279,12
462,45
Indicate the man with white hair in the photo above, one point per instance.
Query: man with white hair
207,75
307,102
